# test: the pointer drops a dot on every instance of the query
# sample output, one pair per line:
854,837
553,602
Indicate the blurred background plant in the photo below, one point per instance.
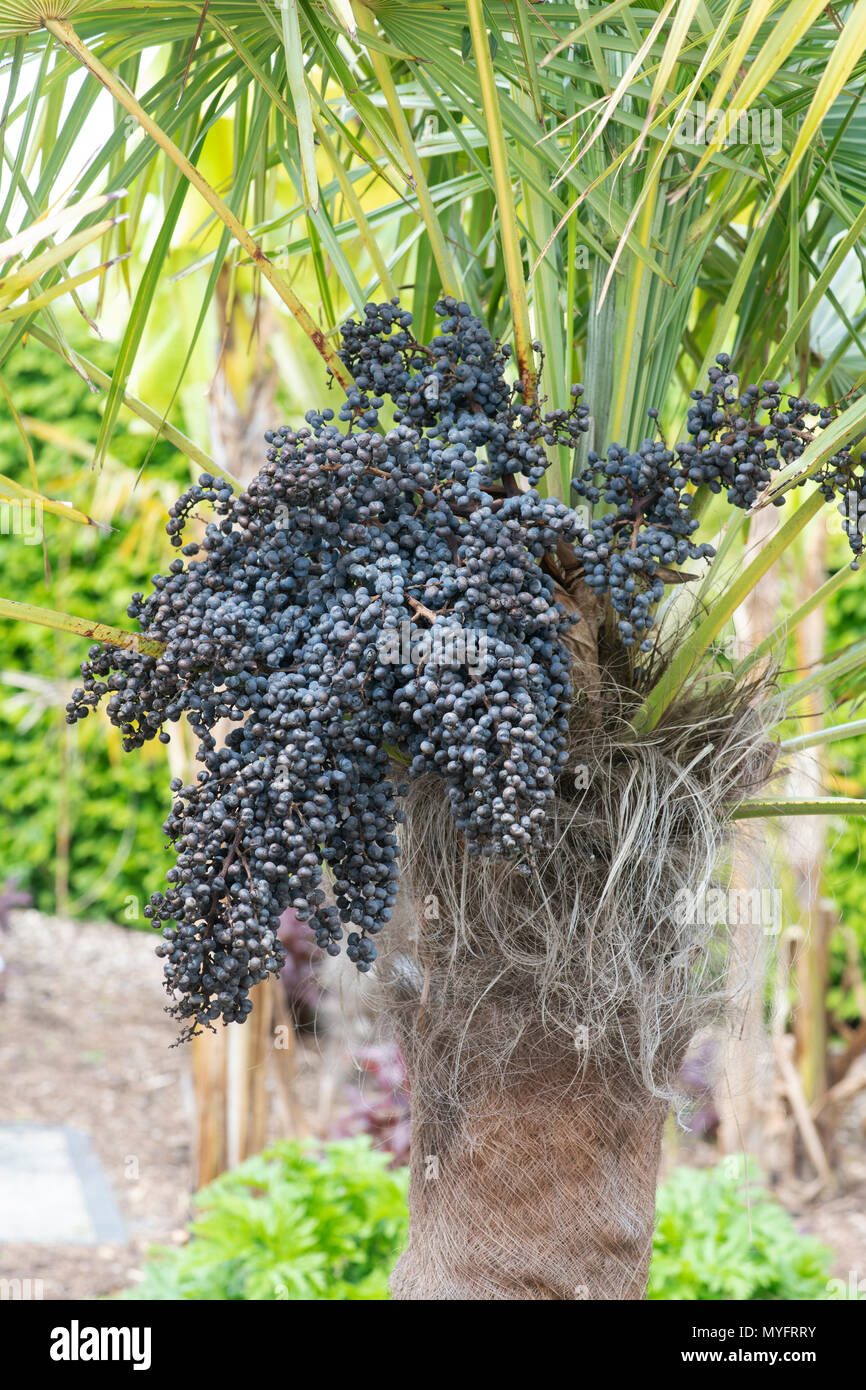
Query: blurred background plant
297,1222
80,822
721,1237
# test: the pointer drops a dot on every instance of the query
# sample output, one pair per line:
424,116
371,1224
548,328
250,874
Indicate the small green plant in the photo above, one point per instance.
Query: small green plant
720,1236
297,1222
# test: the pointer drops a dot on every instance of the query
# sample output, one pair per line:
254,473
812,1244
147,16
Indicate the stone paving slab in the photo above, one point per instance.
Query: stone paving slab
53,1190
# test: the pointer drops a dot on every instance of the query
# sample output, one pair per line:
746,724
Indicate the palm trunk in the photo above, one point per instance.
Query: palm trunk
547,1194
544,1007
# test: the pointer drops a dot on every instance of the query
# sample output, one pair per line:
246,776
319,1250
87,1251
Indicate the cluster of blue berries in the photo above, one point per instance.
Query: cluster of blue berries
373,593
737,441
454,388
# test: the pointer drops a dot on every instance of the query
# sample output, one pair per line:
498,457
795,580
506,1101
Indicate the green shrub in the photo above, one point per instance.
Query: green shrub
296,1222
720,1237
113,805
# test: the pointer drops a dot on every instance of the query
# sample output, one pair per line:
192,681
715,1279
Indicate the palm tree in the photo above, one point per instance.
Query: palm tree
638,187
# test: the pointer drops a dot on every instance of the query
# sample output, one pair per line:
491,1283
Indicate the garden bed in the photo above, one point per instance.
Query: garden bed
86,1044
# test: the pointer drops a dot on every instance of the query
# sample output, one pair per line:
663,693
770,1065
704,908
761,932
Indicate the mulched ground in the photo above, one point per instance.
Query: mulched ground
84,1042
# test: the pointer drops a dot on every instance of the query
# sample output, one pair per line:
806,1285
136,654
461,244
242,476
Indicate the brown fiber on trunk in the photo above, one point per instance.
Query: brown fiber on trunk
550,1196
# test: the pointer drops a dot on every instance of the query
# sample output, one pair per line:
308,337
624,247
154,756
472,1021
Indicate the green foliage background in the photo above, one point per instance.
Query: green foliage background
112,800
846,623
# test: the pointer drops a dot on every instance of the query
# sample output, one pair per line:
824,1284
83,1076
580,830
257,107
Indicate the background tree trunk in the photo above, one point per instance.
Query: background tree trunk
748,1100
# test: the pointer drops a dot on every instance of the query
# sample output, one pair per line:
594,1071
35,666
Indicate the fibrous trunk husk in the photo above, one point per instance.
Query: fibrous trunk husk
544,1009
548,1195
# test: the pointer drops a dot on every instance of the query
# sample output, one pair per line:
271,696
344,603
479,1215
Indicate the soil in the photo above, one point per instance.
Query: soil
85,1042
